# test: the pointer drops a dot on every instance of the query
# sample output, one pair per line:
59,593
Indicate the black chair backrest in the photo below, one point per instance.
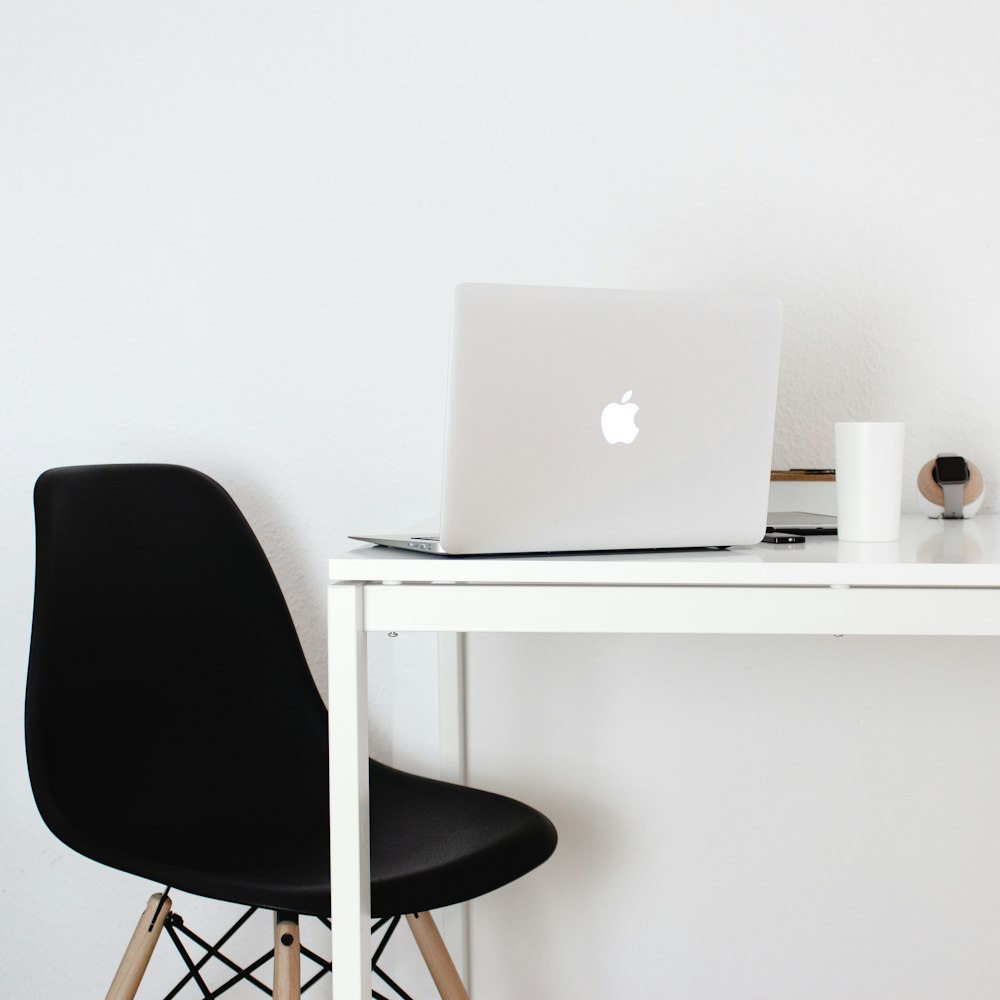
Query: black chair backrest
165,674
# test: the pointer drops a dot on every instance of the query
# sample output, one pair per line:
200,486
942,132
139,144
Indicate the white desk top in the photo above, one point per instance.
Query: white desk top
929,553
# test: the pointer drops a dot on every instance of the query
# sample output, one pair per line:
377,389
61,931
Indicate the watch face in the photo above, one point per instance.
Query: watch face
951,469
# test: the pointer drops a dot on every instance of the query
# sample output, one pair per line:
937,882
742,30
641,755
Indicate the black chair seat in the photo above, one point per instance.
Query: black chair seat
432,844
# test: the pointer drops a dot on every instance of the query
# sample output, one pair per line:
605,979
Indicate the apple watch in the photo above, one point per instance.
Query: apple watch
951,473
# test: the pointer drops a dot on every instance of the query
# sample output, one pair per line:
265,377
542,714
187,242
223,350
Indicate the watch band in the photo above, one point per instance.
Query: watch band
954,494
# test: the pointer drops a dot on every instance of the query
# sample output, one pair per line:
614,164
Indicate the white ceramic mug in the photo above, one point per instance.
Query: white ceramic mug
869,480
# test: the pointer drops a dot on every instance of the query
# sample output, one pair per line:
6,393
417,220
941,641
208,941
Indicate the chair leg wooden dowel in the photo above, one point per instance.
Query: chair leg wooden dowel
287,957
140,948
439,962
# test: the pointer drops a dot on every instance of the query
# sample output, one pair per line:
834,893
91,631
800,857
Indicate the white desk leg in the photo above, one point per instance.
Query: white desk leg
349,845
451,705
451,733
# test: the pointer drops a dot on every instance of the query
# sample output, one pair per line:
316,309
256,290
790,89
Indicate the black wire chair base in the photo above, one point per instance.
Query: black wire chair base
177,930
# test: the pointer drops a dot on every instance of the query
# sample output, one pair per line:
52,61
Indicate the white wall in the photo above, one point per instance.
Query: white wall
229,232
173,263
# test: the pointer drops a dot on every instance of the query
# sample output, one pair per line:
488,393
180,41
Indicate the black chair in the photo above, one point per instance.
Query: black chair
174,731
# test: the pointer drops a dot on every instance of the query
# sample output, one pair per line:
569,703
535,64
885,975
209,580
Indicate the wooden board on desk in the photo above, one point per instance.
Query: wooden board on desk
803,476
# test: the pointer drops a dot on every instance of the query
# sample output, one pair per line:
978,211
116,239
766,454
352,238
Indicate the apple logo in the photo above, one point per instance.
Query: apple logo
618,421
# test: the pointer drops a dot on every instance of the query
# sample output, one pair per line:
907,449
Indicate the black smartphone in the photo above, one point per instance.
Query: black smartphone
781,538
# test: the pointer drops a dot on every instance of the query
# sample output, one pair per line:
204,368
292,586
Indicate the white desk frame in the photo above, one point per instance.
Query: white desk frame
940,579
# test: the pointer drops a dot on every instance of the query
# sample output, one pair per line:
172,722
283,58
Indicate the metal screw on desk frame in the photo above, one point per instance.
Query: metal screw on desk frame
392,635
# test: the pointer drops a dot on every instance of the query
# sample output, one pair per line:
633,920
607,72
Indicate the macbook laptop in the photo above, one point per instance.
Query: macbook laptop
583,419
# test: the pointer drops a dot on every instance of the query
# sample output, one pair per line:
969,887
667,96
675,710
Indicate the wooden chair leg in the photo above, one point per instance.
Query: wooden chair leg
287,957
140,948
439,962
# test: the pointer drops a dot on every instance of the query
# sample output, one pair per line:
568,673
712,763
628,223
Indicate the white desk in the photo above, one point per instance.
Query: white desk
941,578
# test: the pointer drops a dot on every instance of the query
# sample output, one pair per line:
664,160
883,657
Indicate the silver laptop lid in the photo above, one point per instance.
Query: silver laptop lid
582,419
